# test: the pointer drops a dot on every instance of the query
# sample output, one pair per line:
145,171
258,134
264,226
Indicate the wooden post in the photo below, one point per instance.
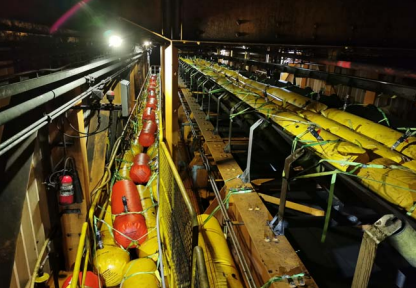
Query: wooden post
171,96
373,236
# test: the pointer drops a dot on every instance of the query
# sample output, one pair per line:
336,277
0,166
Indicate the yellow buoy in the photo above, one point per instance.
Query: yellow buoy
152,151
150,246
110,263
149,249
140,273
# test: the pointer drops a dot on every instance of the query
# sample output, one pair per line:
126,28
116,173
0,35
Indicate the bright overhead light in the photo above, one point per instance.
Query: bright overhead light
147,43
115,41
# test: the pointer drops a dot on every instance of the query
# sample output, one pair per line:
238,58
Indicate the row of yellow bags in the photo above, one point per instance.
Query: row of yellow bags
332,134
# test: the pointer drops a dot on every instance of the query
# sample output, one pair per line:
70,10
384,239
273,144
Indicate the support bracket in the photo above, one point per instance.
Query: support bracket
218,113
227,148
277,223
246,174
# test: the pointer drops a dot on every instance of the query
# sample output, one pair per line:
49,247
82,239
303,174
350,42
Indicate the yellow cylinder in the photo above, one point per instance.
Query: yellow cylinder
124,171
140,273
221,268
340,151
152,151
387,182
375,131
150,247
353,137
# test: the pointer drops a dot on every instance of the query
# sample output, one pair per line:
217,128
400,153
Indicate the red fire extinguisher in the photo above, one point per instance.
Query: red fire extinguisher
66,190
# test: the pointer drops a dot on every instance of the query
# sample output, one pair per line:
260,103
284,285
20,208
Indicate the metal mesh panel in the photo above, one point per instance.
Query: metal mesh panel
179,225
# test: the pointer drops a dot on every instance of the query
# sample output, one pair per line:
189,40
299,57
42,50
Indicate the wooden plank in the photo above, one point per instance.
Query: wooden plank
29,237
97,149
266,259
132,87
72,223
21,261
293,205
14,283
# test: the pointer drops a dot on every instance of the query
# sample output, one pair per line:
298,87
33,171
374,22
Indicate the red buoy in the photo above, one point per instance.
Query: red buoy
149,114
141,159
147,135
140,172
152,102
91,280
129,228
127,189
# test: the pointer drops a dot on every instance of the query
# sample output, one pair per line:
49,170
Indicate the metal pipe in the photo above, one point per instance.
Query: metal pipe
14,112
13,141
20,87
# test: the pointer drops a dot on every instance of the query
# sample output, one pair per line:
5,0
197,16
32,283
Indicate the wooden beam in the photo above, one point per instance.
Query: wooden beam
293,205
266,259
171,97
97,149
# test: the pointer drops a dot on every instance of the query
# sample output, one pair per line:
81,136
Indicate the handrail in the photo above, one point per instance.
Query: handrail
199,269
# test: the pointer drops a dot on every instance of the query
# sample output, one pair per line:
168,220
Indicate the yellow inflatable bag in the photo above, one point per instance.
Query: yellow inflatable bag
375,131
387,182
334,150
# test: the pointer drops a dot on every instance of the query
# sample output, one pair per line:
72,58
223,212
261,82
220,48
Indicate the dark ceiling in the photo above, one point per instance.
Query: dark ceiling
382,23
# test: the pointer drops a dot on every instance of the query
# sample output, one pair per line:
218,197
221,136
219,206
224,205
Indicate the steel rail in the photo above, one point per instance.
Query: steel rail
46,119
24,86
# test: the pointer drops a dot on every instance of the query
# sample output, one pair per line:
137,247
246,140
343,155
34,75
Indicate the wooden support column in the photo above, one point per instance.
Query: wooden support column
162,66
132,86
171,96
328,88
303,80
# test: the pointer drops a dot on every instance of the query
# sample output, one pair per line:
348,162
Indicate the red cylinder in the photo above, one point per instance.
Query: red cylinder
141,159
149,114
125,188
147,135
132,226
151,88
66,190
91,280
152,94
140,172
152,102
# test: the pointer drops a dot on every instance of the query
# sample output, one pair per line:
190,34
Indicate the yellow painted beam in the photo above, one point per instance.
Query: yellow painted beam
171,96
293,205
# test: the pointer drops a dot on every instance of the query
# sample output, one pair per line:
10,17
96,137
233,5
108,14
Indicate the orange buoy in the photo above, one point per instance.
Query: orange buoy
147,135
127,189
130,229
152,102
140,172
91,280
149,114
152,94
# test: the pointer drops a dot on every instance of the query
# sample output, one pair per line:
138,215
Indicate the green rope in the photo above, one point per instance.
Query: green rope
357,166
226,201
384,117
281,278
